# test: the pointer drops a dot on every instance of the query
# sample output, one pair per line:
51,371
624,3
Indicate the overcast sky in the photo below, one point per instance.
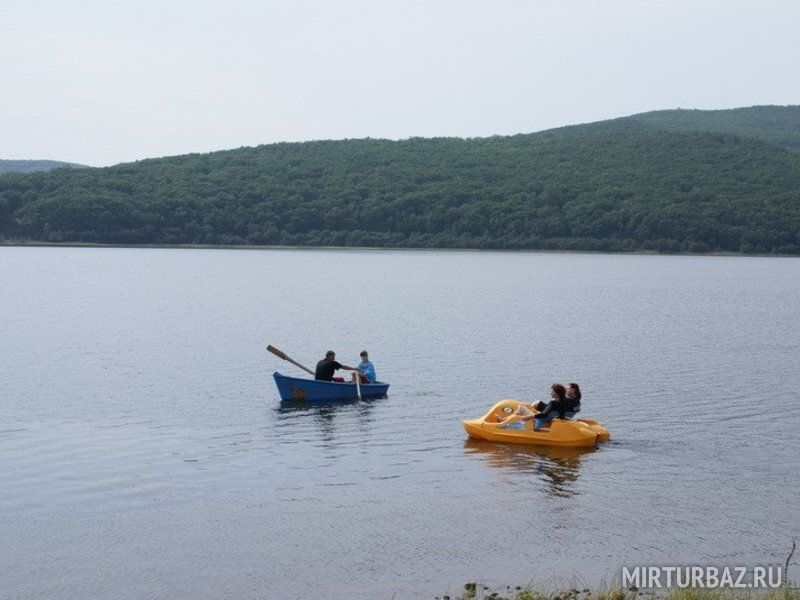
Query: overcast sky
111,81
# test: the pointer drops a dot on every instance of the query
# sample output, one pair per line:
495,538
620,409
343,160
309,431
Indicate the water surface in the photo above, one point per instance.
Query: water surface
144,452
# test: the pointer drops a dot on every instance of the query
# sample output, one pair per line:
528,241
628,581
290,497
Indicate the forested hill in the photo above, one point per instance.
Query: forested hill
648,182
30,166
778,125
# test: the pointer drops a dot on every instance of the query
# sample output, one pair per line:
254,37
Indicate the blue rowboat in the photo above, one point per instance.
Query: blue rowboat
311,390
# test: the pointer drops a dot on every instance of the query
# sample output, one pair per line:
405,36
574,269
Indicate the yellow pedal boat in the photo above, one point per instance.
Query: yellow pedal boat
559,432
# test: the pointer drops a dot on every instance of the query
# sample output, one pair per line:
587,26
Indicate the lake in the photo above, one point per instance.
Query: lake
144,452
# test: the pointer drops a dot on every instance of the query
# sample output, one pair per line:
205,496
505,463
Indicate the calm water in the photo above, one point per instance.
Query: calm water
144,452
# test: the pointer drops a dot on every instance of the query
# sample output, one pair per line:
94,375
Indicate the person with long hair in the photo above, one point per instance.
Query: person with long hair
572,402
554,409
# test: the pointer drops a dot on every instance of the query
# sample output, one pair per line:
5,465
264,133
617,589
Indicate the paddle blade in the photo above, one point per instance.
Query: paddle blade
284,356
276,352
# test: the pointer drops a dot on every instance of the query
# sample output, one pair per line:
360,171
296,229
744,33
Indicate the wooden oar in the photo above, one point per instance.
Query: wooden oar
283,355
358,384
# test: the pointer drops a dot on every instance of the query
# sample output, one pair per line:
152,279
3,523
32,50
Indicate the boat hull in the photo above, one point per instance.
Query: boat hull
310,390
560,432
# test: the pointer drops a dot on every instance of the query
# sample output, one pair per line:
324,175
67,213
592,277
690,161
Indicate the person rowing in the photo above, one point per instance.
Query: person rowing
328,366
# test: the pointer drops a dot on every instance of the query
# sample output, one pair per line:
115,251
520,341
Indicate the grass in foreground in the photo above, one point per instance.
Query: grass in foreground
477,591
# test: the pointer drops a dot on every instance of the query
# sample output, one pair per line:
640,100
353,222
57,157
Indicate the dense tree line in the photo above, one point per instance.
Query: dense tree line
777,125
621,185
30,166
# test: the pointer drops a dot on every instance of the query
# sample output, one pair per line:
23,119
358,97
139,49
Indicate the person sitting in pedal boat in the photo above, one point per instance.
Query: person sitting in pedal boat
572,403
561,407
366,369
554,409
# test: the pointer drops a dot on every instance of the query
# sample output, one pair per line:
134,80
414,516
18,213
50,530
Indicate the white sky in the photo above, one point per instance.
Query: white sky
101,82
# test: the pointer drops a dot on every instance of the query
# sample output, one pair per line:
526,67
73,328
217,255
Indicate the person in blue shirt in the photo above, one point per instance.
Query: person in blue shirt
366,369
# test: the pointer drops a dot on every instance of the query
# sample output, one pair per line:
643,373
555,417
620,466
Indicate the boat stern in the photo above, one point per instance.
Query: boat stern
603,434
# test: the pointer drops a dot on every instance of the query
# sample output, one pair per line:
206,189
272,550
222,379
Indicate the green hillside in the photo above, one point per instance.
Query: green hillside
778,125
642,183
31,166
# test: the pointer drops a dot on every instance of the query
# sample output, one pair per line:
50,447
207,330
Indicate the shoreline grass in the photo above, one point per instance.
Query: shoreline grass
478,591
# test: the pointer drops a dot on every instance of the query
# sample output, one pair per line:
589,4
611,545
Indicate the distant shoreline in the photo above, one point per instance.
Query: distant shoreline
40,244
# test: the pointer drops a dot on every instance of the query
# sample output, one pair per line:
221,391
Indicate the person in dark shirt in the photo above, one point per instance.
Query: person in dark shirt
547,410
328,366
572,402
554,409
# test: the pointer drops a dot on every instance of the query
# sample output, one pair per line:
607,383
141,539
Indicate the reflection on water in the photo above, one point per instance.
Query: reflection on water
324,414
558,467
292,406
361,408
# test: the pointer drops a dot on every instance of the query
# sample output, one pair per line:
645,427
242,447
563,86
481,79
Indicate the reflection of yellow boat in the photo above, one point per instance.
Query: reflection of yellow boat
521,457
559,432
557,466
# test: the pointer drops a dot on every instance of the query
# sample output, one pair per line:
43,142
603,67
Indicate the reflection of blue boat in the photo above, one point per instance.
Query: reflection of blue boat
294,388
